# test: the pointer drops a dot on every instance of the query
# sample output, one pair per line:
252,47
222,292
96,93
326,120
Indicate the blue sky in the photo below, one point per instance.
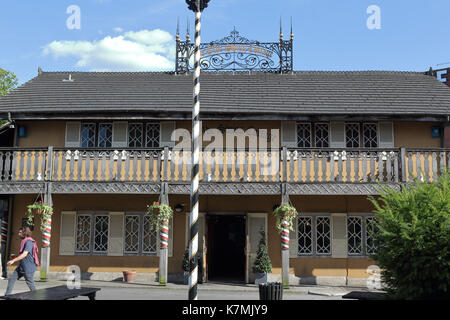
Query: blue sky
139,35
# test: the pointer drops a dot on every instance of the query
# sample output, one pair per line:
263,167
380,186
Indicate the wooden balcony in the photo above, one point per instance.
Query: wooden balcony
153,166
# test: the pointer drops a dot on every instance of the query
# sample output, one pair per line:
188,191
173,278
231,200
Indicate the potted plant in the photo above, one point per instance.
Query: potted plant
285,212
128,275
262,266
159,213
41,209
186,267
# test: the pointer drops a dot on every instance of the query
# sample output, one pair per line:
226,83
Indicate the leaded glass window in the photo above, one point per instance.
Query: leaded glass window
354,235
305,236
101,233
150,237
370,228
370,135
322,133
152,134
304,135
352,135
105,135
88,135
135,135
83,237
132,234
323,235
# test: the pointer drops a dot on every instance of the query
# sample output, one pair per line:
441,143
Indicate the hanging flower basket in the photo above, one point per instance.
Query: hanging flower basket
285,212
158,213
39,209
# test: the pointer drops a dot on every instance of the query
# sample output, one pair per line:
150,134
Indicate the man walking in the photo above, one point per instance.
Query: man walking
28,257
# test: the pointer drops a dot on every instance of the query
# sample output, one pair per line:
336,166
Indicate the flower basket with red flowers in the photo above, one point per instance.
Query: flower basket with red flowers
285,212
41,209
158,213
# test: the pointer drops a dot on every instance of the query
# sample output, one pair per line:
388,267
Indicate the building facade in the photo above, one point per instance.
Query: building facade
100,145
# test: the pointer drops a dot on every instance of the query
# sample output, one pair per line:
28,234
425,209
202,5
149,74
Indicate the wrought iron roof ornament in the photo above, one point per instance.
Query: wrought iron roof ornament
236,53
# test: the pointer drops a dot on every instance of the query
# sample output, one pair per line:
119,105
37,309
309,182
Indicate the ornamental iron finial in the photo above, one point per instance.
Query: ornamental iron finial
197,5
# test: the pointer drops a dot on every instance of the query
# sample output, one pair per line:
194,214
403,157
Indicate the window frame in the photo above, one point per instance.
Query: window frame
90,233
315,134
98,134
310,134
359,135
146,134
143,135
314,216
95,134
377,135
363,217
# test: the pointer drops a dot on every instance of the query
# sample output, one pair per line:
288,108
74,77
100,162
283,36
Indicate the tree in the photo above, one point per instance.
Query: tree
262,262
8,81
412,235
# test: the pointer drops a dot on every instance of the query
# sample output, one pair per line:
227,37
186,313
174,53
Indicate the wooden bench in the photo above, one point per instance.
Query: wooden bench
55,293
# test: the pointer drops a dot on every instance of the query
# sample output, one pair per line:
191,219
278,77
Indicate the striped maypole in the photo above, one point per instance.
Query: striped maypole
285,235
164,234
4,230
193,220
47,232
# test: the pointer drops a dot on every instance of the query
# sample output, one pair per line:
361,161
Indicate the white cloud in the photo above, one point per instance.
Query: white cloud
142,50
118,29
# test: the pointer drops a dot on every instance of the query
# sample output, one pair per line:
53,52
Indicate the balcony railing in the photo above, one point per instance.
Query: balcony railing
286,165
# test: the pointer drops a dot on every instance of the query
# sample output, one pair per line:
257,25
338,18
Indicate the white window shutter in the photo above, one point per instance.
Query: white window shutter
120,134
289,134
337,134
293,241
67,235
386,134
171,238
167,127
73,134
115,233
339,235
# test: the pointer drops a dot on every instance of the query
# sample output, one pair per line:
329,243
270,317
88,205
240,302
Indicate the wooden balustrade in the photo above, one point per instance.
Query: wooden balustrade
154,165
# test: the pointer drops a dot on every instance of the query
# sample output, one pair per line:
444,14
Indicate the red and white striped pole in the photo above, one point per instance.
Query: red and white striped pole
285,235
164,234
47,232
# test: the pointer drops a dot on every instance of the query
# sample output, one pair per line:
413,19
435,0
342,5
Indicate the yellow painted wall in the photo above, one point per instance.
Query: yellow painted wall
407,134
209,204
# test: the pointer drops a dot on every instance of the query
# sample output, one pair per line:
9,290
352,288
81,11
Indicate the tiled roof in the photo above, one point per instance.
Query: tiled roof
300,93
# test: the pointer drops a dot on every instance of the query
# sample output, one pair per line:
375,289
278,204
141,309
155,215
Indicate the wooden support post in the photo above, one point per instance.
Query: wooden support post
164,249
45,251
284,252
403,164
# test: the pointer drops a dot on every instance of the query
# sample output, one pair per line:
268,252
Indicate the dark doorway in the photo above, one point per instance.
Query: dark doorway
226,248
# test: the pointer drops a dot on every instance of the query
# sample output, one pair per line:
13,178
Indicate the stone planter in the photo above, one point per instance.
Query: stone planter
261,278
128,276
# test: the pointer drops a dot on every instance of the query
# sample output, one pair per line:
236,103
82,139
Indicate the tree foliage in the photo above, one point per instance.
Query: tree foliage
413,236
8,81
262,262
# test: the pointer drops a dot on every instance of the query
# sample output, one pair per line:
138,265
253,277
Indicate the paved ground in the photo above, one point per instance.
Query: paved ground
111,290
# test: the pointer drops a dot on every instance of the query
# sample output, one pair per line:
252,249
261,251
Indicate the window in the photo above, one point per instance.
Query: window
360,240
354,235
88,135
304,135
323,235
370,135
152,134
305,236
132,233
83,237
150,238
370,228
101,234
314,235
105,135
352,135
135,135
321,132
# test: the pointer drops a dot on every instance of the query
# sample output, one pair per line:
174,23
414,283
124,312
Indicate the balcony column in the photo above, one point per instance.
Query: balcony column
285,200
164,245
46,234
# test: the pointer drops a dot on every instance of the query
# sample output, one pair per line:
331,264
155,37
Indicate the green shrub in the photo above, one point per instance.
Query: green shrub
412,237
262,262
